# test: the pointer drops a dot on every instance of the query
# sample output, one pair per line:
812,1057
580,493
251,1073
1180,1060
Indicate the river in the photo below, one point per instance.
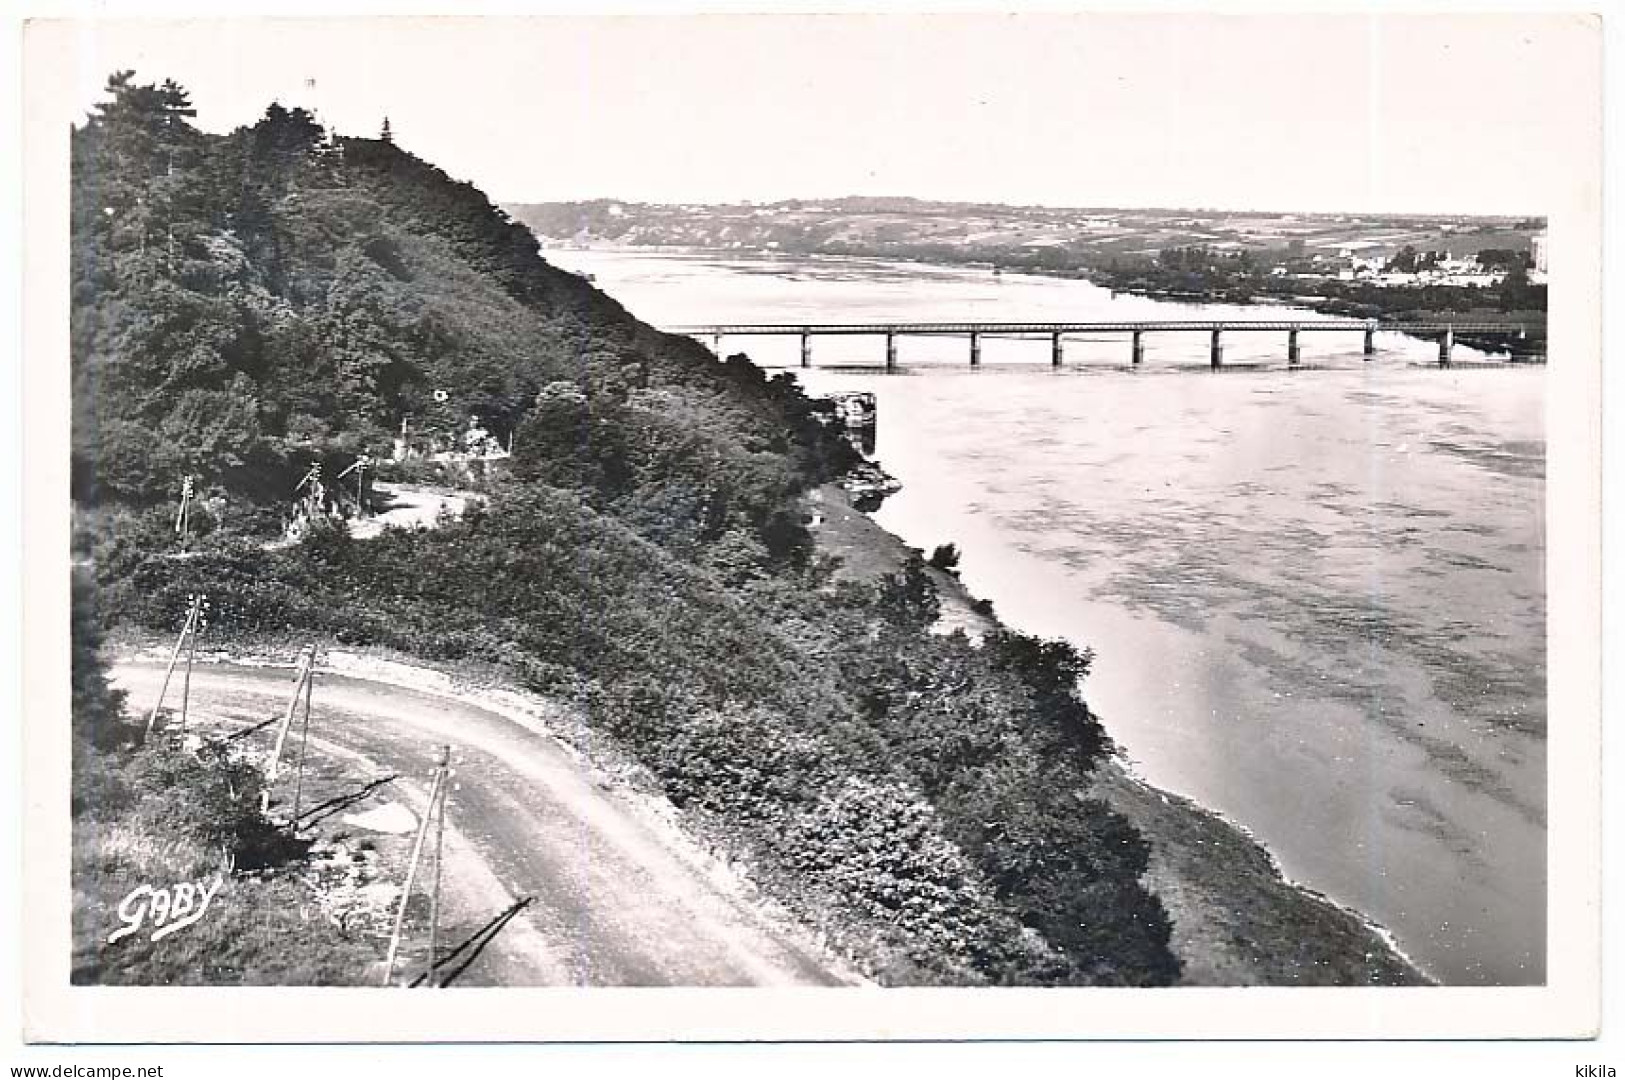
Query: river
1316,597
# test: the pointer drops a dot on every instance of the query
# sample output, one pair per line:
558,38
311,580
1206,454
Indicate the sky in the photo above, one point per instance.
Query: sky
1402,113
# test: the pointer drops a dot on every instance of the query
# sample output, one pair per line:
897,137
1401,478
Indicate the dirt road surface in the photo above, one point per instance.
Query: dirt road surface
619,901
407,506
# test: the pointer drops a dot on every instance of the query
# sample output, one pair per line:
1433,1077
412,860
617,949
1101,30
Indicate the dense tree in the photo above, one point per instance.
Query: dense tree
1504,259
97,708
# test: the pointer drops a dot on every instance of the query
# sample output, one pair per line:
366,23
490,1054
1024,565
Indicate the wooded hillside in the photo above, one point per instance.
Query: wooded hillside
248,303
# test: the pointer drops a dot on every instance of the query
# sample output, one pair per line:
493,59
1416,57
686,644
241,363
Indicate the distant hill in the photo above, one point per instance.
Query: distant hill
982,232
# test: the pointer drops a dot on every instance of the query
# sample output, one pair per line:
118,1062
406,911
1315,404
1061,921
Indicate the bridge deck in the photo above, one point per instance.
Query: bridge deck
1224,325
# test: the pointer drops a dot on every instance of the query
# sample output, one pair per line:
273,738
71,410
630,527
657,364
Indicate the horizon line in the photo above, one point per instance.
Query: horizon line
1101,207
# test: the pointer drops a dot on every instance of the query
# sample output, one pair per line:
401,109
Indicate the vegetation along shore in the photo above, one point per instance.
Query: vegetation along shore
276,321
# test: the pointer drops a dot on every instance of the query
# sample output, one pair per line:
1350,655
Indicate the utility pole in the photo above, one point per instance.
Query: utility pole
361,465
439,847
307,664
314,497
200,605
183,513
412,869
187,629
304,743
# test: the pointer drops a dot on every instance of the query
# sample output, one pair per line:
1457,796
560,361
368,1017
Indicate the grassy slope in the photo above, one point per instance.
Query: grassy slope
264,927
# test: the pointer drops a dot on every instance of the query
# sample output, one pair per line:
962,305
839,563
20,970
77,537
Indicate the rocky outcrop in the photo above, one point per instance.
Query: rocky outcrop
867,482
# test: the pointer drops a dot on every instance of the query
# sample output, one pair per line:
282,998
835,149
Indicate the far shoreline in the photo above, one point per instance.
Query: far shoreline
1329,307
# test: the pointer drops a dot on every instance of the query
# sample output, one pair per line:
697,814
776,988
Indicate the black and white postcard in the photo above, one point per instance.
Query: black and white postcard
791,526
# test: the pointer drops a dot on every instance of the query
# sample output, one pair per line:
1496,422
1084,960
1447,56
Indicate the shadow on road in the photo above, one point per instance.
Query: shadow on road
473,945
324,810
234,736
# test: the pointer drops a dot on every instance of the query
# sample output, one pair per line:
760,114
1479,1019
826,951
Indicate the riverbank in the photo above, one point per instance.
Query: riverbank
1387,306
1236,920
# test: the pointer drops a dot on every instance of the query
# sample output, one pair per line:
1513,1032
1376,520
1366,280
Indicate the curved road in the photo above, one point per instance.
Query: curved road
619,900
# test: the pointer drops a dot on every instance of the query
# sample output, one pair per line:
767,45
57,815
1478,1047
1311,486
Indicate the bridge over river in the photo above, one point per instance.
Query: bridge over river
1135,331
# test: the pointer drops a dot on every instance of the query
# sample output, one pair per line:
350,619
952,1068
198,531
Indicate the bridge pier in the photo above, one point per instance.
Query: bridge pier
1444,333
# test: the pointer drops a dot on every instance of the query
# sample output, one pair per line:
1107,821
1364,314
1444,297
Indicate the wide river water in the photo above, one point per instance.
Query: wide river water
1316,597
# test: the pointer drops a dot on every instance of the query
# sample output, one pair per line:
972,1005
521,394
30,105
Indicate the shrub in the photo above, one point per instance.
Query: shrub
205,796
908,598
881,848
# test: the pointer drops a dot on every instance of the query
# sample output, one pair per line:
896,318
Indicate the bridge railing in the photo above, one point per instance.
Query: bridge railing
1444,331
1223,325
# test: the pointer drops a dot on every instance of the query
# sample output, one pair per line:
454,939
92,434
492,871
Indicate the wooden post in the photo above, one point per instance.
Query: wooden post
806,349
186,679
1445,344
304,744
362,463
975,349
439,848
1137,356
1216,351
307,661
411,875
1293,354
891,350
1055,349
174,658
1370,348
183,513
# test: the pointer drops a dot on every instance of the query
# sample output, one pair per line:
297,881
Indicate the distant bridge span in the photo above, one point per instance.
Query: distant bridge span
1445,332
